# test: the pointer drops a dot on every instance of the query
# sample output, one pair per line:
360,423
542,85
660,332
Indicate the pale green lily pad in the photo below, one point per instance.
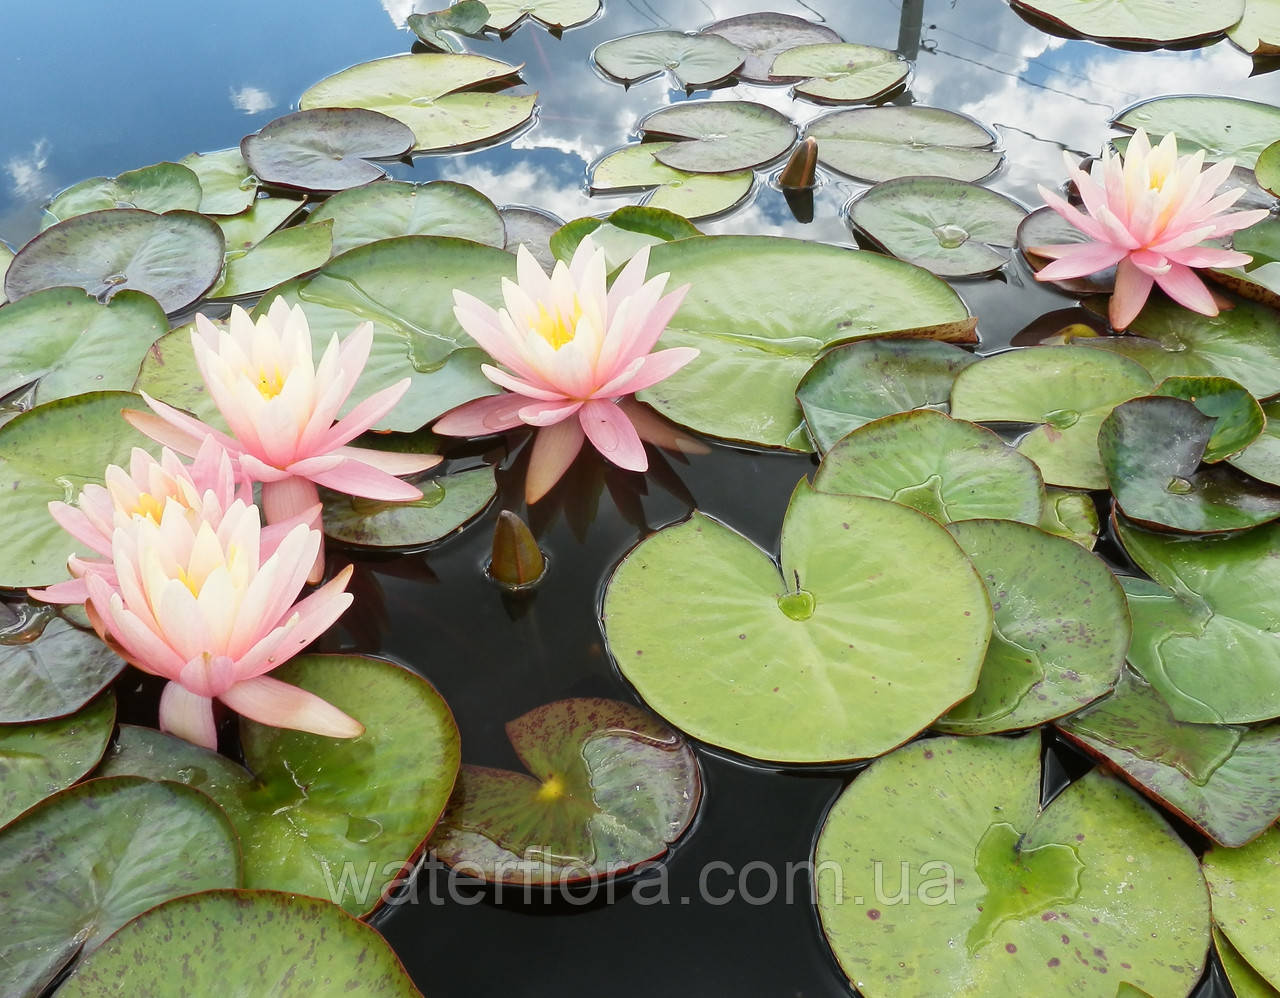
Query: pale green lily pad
51,452
96,856
279,257
623,234
170,373
383,211
227,185
6,257
426,93
1258,30
951,228
37,760
954,881
1071,515
325,149
1261,459
309,808
505,15
448,503
1224,779
244,231
1139,20
436,28
1267,169
1066,390
858,382
1204,635
694,60
1258,280
159,188
766,35
840,73
1245,981
693,195
1244,888
244,943
49,669
719,136
174,257
806,660
875,144
762,310
1060,634
1225,127
1238,419
946,468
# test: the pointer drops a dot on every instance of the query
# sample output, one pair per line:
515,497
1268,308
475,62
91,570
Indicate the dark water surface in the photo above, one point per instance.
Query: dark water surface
92,90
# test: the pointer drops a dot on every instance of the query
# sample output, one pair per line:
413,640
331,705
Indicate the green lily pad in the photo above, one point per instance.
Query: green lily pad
49,669
946,468
1152,448
1244,980
6,257
1045,227
170,373
436,29
693,195
174,257
623,234
949,227
766,35
953,880
448,503
1060,634
279,257
51,452
314,812
159,188
227,185
694,60
1225,127
1258,30
1071,515
719,136
839,73
1066,390
325,149
505,15
1139,20
1238,419
244,943
1267,169
427,93
244,231
37,760
96,856
612,787
1243,886
394,208
531,228
1261,459
1258,280
781,661
874,144
762,310
858,382
1224,779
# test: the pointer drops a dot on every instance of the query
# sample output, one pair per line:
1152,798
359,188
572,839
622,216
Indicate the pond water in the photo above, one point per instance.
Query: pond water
93,94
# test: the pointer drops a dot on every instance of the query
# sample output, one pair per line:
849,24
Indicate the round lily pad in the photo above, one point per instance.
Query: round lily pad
766,35
1045,227
1072,515
719,136
227,185
693,195
49,669
874,144
1261,459
1139,20
436,28
694,60
1258,30
946,468
158,188
1244,980
1067,391
279,257
307,807
505,15
1225,127
806,660
623,234
174,257
384,211
1238,419
531,228
839,73
1243,886
611,787
448,503
1267,169
429,93
96,856
244,943
949,227
325,149
954,881
1061,628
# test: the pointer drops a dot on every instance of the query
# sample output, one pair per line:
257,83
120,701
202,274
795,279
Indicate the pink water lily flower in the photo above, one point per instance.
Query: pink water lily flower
572,348
1148,217
281,408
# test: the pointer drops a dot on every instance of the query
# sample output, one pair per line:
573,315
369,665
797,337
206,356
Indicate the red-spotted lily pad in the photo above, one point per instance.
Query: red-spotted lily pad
309,809
766,35
48,668
1244,885
448,503
612,787
158,188
694,60
243,943
806,660
1139,20
839,73
719,136
953,880
85,861
325,149
1238,419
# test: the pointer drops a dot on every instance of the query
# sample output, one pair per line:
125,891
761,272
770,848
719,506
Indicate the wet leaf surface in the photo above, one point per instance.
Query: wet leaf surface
38,760
1243,886
448,503
48,668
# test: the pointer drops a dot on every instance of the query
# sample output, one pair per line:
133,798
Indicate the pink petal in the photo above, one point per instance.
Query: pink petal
194,429
554,449
271,702
1078,219
78,526
311,618
1132,288
362,417
356,478
287,500
548,413
656,367
159,430
652,326
483,325
510,382
188,716
392,462
630,280
482,417
1077,259
69,592
1209,256
1183,286
611,433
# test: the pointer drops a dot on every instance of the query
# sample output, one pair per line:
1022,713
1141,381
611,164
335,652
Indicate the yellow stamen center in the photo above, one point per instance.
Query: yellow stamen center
270,385
551,789
555,327
192,587
149,506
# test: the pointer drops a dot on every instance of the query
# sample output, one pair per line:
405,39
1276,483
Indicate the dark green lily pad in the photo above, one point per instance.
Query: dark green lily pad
505,15
96,856
840,73
37,760
325,149
1139,20
946,468
1258,280
1152,448
719,136
174,257
623,234
949,227
159,188
1067,391
244,943
448,503
1071,515
1060,634
693,195
436,29
612,787
429,94
1261,459
1045,227
281,256
227,185
1225,127
766,35
780,661
1244,980
1238,419
531,228
1267,169
694,60
954,882
1224,779
874,144
1243,886
383,211
309,808
49,669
